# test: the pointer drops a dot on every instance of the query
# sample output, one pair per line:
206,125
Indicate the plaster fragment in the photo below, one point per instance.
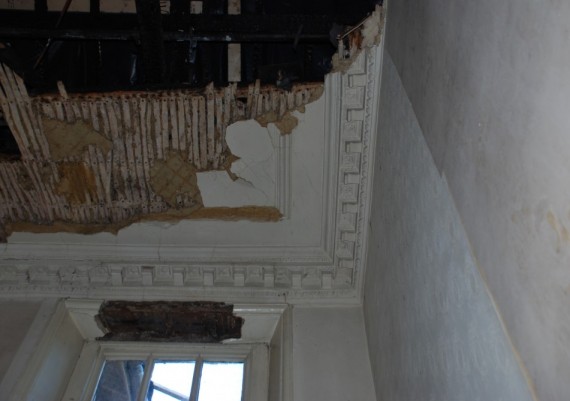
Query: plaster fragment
175,177
367,34
76,182
285,124
250,177
72,139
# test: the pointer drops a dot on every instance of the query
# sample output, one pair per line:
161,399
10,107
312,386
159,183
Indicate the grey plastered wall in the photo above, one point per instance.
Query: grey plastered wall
490,84
432,328
330,356
15,320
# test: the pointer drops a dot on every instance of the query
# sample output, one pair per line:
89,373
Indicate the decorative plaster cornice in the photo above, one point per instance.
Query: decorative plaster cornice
332,273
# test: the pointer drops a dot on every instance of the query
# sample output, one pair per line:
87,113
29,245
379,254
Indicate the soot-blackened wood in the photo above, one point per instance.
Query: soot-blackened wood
151,40
94,6
245,25
40,6
196,322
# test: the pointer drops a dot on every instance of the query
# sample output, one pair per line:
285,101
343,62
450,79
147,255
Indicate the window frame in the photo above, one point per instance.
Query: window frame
84,380
68,342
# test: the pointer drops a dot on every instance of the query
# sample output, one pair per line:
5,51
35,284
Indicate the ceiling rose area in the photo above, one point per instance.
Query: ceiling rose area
249,192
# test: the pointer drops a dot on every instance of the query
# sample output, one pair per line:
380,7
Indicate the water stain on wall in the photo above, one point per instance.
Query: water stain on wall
562,234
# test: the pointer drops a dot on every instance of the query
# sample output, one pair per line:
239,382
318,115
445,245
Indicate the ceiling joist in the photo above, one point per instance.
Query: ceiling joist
198,27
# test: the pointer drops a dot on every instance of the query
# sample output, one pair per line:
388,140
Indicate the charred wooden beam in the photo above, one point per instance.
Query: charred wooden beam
119,35
179,7
40,6
14,23
198,322
151,40
94,6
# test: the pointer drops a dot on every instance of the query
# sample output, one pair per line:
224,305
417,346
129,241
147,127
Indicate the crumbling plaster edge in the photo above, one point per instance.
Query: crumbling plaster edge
315,297
353,97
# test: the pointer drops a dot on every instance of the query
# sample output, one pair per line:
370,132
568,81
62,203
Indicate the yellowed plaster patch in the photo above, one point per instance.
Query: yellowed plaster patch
250,213
76,182
562,234
285,124
72,139
175,177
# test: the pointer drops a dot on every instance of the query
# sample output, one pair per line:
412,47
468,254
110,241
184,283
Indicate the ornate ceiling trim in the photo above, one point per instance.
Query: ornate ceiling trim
331,271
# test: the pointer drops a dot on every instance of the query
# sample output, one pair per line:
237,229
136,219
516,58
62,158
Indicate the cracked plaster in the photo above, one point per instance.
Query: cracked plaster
254,169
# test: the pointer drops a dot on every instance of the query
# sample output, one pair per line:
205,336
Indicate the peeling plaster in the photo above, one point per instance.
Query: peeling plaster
174,178
172,216
63,145
367,34
99,162
76,183
251,176
285,124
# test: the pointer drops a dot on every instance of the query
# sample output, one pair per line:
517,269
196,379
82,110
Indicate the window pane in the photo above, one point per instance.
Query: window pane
221,381
172,380
158,396
120,380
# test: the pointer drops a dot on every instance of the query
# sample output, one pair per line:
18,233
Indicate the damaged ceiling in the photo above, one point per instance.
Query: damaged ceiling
107,45
94,162
97,161
247,172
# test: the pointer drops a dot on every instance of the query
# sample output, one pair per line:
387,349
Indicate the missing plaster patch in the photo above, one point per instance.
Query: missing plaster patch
72,139
199,322
76,182
285,124
251,177
368,33
175,178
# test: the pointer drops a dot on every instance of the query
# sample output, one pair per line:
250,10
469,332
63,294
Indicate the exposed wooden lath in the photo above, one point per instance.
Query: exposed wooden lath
89,159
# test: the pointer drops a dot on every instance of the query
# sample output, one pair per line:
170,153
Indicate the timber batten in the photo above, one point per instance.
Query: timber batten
87,159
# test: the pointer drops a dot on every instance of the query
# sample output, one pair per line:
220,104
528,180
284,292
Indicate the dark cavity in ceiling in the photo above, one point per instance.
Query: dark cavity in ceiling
98,51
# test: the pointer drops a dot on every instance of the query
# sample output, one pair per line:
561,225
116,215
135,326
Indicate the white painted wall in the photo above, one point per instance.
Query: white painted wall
330,356
16,318
48,351
489,83
433,331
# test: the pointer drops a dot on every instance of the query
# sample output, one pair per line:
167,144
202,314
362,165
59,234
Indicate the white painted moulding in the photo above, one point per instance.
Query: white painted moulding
316,253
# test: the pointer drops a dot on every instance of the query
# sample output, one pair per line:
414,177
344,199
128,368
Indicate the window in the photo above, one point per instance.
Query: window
68,362
171,372
171,380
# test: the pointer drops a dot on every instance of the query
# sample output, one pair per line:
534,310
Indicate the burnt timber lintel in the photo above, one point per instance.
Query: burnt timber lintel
198,322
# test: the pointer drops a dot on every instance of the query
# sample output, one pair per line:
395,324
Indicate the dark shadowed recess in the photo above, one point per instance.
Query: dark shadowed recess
96,51
196,322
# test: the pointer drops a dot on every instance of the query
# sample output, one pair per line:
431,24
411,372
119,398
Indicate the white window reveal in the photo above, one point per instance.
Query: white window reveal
135,371
213,379
70,364
255,367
